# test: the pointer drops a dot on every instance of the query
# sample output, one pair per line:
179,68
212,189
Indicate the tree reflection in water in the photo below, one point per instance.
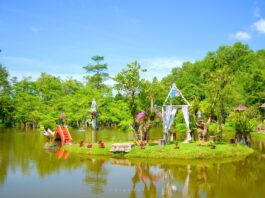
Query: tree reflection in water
22,154
96,175
144,174
204,179
149,177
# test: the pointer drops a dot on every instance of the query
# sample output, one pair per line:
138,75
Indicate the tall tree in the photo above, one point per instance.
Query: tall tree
129,83
152,94
217,94
5,89
98,69
28,105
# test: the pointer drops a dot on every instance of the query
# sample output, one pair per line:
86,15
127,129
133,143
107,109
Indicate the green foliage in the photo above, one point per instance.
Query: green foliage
128,80
119,115
6,105
245,121
181,127
98,70
212,128
229,127
214,85
129,83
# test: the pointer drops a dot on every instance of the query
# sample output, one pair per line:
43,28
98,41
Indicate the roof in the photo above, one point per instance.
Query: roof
240,107
262,106
175,92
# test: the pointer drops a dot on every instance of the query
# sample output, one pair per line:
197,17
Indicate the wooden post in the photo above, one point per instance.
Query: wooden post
162,142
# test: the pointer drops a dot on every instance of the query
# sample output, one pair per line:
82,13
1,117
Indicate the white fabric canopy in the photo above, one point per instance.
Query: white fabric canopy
168,113
185,110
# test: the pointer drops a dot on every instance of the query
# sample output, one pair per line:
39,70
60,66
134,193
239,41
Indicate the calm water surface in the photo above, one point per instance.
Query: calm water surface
28,170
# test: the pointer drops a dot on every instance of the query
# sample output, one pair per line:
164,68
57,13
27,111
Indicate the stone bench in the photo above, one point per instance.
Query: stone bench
121,147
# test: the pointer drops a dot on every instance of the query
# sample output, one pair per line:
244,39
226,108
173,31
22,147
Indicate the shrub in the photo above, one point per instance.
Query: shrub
212,129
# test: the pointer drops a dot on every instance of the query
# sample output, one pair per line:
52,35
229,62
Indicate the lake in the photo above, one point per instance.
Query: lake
28,170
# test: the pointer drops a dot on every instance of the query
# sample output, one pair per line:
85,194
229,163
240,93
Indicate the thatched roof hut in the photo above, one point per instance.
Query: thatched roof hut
240,107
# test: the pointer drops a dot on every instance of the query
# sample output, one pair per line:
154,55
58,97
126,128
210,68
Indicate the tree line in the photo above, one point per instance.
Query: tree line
231,75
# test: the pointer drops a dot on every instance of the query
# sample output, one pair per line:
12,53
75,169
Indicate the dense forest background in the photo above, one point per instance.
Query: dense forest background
226,77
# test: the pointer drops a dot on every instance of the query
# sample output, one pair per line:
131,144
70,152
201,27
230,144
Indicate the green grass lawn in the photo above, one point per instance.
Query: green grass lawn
185,151
190,151
95,150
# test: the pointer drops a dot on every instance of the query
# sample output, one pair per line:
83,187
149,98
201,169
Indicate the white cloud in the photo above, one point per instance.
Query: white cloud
34,29
160,66
23,66
110,82
241,36
259,26
21,63
63,76
35,75
159,63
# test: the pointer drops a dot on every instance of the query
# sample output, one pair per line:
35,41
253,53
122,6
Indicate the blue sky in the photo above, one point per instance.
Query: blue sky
60,36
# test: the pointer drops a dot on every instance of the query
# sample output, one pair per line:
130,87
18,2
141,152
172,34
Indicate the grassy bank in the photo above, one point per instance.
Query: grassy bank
258,136
185,151
95,150
254,136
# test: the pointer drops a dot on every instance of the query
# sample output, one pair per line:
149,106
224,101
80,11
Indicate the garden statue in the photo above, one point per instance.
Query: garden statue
188,135
199,113
94,114
202,130
94,106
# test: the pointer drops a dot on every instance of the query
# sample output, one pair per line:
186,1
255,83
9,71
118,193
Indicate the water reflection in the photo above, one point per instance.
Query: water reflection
147,177
23,158
112,134
158,181
62,154
96,174
91,136
259,146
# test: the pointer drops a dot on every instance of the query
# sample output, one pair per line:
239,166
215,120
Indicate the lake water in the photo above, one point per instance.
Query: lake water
28,170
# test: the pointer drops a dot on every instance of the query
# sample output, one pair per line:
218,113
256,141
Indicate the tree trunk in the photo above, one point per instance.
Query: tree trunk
152,104
133,110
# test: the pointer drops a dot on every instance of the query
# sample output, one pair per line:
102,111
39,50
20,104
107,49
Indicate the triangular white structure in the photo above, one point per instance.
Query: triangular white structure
169,112
175,92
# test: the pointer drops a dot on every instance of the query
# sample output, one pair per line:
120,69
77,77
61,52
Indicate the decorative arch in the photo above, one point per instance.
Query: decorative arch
169,112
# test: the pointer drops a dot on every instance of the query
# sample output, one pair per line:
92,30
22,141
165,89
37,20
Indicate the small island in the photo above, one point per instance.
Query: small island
184,151
197,144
